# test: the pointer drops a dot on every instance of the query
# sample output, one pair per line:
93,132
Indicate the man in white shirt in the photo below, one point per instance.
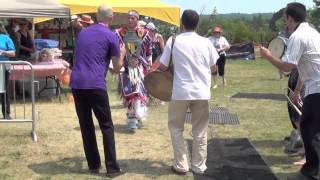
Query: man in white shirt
193,59
221,44
303,52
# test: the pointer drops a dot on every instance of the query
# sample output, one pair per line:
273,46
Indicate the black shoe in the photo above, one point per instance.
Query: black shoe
300,176
8,117
113,174
95,171
299,152
178,172
287,138
200,173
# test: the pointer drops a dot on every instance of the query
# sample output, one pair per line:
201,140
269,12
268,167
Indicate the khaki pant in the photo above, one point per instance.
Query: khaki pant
200,116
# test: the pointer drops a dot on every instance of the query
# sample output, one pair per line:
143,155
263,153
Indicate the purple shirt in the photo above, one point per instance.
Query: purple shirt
95,46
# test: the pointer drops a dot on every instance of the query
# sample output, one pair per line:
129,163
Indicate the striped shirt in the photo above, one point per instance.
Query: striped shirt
303,50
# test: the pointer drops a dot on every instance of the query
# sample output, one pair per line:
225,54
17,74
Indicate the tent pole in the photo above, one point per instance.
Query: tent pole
33,30
59,21
72,41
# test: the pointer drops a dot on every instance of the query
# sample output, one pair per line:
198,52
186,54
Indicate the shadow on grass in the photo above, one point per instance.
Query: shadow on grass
266,143
118,128
63,166
273,160
286,175
235,159
145,167
119,106
268,96
75,165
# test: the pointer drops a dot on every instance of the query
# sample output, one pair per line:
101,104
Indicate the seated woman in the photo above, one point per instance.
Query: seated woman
25,40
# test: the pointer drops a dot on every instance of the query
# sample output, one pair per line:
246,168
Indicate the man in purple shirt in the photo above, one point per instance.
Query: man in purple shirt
95,46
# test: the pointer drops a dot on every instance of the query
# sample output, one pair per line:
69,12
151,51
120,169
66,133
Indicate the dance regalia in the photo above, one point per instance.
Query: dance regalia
138,47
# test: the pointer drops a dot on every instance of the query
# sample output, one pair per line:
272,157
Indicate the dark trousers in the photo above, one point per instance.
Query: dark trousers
87,100
310,126
5,97
292,83
221,62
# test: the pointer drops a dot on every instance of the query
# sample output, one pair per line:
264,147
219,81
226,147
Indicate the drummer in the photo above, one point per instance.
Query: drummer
303,52
193,58
295,146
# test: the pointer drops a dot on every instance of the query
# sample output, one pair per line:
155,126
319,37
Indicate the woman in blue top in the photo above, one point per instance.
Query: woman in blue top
7,50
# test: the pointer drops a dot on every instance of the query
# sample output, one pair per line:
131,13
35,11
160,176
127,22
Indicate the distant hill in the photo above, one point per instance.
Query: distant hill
234,16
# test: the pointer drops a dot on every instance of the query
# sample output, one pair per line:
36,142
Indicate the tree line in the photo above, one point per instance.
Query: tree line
240,28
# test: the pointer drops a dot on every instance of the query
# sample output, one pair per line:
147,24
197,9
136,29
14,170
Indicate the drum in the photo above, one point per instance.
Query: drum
159,84
277,46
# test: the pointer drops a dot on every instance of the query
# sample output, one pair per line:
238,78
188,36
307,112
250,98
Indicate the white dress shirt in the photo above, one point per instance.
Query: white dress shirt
304,51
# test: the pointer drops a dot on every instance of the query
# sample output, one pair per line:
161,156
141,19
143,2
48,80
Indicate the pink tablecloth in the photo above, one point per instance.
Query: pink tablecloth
41,70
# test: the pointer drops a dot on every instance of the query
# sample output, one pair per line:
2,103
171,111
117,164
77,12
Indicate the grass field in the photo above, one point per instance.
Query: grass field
58,154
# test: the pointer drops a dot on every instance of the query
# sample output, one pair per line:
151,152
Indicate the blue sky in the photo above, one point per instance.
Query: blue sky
235,6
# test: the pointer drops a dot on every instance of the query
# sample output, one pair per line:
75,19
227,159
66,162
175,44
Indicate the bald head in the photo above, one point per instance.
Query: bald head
104,13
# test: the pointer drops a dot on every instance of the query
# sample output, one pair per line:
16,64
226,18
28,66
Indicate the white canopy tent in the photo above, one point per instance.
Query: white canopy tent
32,9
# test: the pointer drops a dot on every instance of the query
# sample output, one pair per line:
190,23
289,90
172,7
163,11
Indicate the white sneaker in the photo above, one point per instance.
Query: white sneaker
132,123
215,86
139,124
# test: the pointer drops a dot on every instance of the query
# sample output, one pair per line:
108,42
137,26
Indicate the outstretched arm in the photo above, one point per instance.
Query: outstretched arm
9,53
117,61
283,66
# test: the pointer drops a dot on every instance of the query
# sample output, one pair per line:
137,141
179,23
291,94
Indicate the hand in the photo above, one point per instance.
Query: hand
296,98
31,50
2,52
150,70
113,71
122,48
5,53
265,53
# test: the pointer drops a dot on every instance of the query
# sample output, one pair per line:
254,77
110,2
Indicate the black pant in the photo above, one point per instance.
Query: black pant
221,63
87,100
310,126
5,97
292,83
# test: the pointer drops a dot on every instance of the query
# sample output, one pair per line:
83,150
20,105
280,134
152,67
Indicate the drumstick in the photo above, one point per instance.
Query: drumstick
294,106
298,103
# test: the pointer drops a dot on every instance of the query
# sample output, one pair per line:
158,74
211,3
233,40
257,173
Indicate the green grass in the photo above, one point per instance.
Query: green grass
148,154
